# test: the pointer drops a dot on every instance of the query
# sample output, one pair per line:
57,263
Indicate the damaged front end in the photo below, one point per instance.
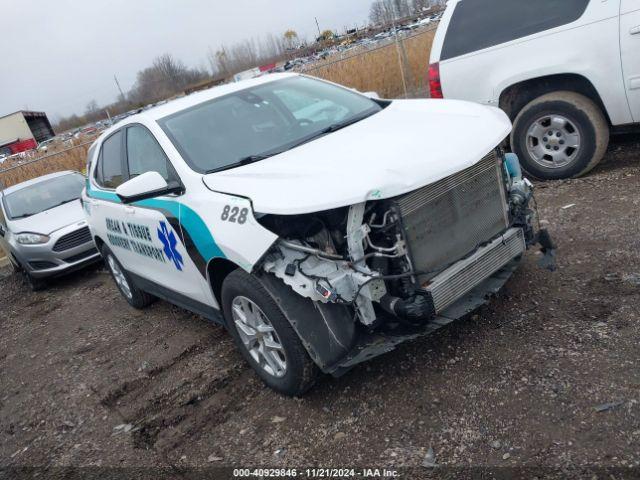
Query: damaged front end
378,273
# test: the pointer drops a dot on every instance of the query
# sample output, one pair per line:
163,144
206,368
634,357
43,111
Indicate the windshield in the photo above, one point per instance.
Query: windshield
43,195
257,122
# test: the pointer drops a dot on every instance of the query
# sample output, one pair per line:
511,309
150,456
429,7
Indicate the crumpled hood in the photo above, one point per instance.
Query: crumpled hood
51,220
406,146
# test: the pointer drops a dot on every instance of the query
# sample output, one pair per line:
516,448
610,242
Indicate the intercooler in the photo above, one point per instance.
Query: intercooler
464,275
449,220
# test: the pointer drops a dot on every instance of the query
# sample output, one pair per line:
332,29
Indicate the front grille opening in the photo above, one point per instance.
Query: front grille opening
81,256
42,265
72,240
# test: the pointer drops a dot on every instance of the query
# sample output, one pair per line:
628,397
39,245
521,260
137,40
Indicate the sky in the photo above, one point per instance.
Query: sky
57,56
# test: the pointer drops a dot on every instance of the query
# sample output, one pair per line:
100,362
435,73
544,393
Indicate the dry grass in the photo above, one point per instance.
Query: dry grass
74,158
379,69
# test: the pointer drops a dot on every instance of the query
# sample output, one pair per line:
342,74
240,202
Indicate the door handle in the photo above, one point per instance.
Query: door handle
634,30
129,210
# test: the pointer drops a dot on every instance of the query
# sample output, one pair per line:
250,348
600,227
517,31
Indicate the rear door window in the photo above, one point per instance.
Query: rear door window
109,172
478,24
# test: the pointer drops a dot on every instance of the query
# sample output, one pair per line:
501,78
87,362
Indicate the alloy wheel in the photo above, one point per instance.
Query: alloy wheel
553,141
119,277
258,336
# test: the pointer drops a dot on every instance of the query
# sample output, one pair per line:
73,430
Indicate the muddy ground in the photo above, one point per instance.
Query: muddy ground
87,381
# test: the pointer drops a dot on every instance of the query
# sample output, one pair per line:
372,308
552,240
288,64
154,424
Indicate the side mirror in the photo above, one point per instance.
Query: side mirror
372,95
146,185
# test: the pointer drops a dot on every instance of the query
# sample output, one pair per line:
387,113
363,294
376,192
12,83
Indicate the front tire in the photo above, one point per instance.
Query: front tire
264,336
132,294
560,135
35,284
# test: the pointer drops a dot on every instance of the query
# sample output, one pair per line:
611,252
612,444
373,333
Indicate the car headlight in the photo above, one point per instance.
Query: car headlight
31,238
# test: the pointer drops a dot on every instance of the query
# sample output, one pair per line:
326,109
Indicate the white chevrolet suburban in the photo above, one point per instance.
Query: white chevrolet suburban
320,226
566,72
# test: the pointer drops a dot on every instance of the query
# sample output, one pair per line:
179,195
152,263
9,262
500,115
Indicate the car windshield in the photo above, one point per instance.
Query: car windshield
258,122
43,196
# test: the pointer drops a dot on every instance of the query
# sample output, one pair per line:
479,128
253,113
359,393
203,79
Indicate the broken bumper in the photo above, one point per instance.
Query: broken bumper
372,345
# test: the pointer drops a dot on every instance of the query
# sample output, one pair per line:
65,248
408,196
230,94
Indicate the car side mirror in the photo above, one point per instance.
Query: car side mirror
146,185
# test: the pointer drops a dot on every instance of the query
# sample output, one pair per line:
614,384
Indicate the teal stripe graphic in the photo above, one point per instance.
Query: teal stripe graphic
189,220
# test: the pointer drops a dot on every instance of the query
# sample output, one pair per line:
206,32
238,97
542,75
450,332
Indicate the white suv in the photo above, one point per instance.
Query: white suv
321,226
566,72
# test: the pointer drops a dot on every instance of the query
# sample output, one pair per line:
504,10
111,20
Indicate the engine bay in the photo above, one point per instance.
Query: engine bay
391,254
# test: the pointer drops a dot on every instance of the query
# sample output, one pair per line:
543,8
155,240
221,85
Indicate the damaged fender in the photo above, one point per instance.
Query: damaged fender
327,330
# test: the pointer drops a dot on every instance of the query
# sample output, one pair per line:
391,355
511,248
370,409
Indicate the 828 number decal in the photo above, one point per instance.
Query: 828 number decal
234,214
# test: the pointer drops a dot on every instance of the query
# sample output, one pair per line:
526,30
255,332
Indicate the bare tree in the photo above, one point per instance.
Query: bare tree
291,38
402,8
383,12
420,6
164,78
92,108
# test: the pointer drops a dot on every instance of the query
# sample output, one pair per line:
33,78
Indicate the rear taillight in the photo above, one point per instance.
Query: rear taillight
435,86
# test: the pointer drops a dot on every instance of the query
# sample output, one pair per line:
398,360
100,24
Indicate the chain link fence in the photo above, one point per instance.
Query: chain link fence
395,69
72,158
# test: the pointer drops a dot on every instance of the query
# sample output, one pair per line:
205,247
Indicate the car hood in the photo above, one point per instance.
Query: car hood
406,146
50,220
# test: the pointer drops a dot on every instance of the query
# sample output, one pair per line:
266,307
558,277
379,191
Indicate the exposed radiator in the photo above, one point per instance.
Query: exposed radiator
449,219
466,274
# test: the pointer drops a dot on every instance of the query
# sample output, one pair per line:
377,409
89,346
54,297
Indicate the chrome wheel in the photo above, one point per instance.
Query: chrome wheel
553,141
119,277
258,336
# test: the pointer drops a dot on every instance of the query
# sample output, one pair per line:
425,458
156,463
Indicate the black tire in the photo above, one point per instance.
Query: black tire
15,266
301,373
583,113
137,298
35,284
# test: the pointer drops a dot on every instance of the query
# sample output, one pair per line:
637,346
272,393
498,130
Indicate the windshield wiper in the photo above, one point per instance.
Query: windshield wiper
334,127
246,161
61,203
24,215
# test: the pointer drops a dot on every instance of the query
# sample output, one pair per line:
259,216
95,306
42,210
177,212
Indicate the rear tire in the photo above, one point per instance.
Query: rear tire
132,294
253,318
546,127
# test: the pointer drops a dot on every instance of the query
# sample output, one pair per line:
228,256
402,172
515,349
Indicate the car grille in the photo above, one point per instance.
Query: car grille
449,219
72,240
80,256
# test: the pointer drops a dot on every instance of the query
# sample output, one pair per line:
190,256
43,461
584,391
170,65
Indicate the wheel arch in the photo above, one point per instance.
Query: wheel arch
514,97
217,270
99,243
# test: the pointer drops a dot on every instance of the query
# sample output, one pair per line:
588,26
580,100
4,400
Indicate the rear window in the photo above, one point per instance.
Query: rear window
478,24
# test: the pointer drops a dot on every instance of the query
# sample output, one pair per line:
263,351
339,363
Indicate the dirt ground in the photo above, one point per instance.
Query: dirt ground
546,377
